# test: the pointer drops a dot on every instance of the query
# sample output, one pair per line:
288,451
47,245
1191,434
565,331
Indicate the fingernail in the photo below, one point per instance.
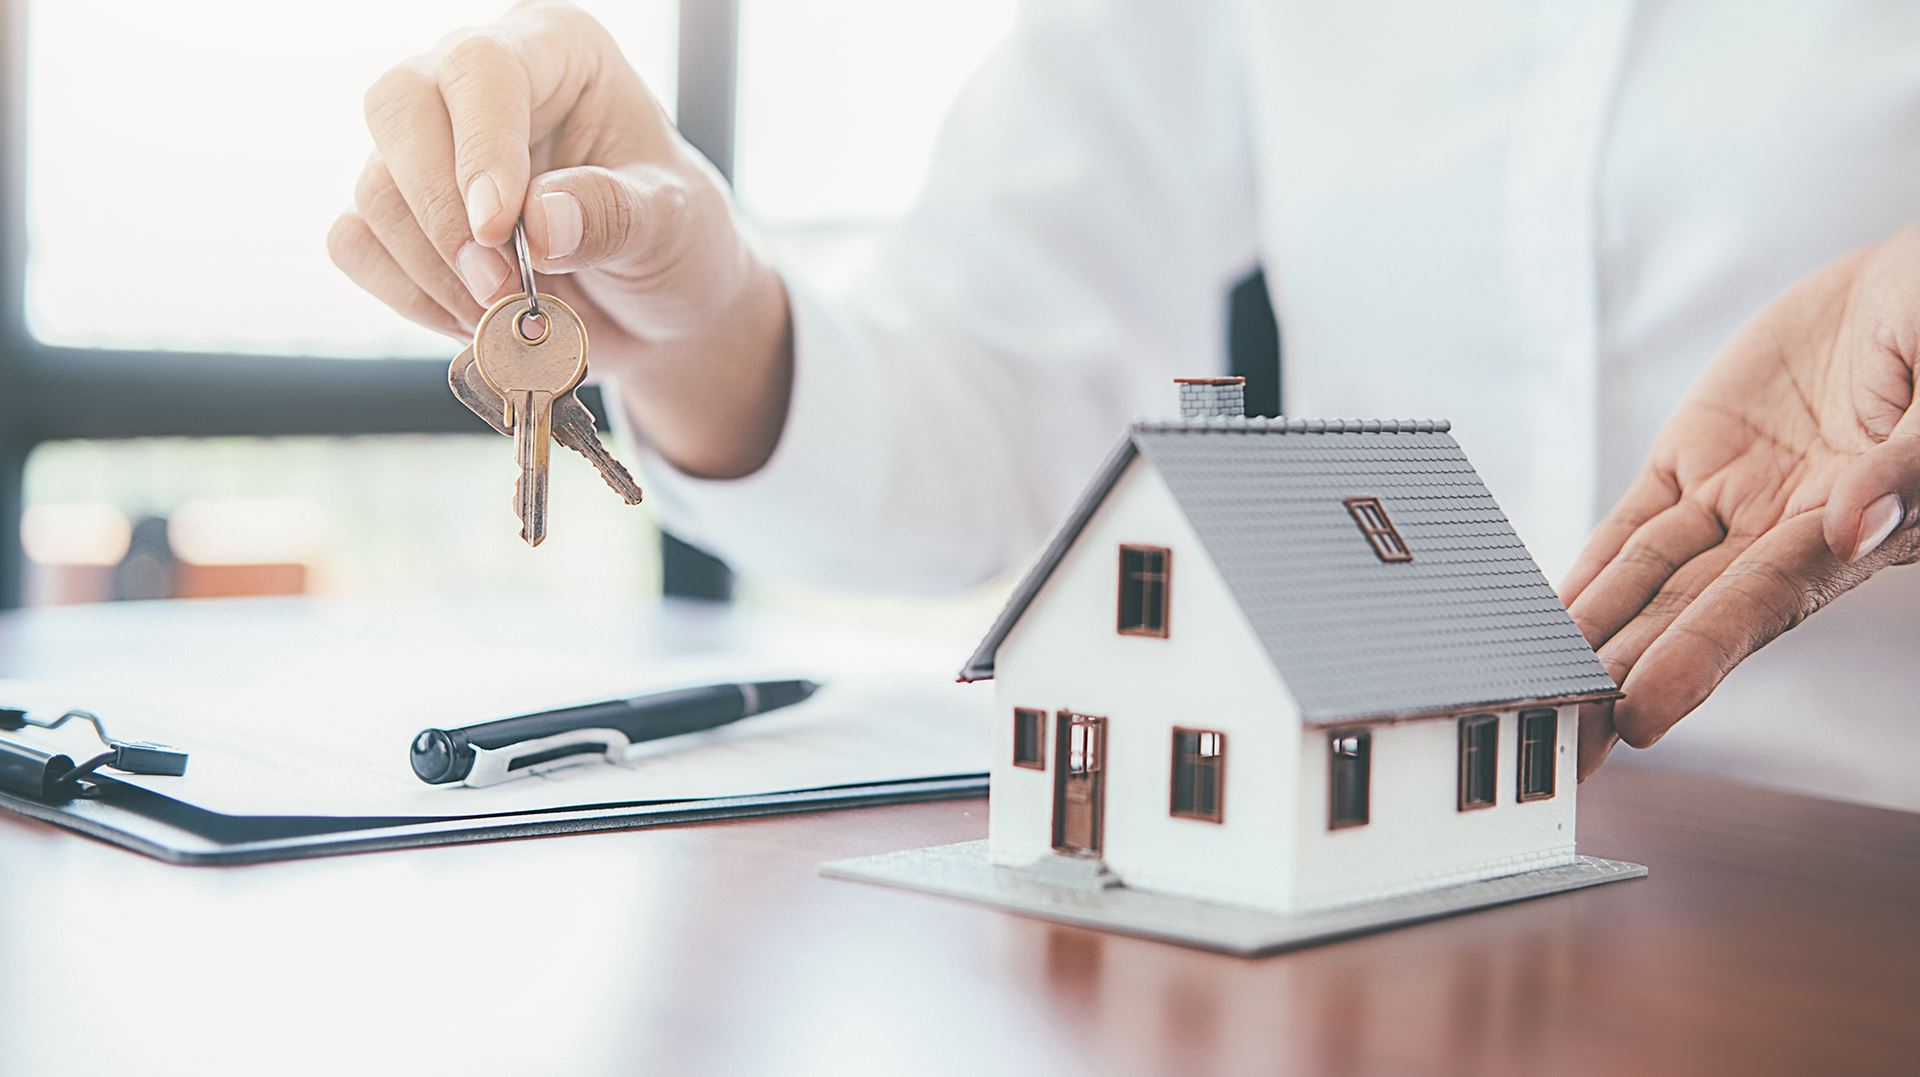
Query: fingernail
564,223
482,269
1877,523
483,201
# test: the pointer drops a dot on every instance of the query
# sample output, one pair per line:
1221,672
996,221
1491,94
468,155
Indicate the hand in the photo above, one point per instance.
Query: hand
539,115
1789,474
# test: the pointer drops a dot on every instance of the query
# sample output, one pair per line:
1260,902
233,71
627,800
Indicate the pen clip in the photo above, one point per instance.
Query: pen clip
494,765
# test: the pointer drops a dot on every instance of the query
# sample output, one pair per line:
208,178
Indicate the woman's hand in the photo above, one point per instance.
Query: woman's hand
539,115
1789,474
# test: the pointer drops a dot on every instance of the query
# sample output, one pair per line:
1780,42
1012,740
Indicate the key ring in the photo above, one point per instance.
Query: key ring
526,269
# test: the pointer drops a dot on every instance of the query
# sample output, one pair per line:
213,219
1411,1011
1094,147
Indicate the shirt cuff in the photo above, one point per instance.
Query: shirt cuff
789,518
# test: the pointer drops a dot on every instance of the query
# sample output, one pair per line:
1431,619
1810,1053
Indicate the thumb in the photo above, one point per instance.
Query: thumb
1876,496
592,217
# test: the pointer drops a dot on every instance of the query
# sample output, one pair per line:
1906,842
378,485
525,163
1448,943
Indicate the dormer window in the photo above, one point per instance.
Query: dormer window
1381,534
1144,578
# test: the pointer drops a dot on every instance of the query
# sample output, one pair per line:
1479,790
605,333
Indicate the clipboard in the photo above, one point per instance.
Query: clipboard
180,833
297,716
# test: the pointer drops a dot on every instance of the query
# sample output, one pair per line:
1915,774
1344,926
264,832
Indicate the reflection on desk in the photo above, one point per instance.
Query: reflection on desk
1775,936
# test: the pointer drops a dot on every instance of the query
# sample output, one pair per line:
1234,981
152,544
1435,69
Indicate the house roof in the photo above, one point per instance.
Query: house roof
1468,621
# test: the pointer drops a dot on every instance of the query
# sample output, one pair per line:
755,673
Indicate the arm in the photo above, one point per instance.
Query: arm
1088,206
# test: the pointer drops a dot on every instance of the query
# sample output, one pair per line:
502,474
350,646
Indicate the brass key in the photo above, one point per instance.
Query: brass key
530,359
572,423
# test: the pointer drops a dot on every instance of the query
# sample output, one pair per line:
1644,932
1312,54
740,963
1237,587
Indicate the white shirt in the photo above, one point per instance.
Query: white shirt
1537,220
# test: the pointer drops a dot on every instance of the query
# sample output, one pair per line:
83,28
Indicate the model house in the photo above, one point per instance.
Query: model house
1284,664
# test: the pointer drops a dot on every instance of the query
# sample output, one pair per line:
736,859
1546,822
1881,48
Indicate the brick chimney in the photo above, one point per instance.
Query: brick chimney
1212,398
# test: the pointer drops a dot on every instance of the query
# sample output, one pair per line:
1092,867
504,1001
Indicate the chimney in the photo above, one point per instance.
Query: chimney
1212,398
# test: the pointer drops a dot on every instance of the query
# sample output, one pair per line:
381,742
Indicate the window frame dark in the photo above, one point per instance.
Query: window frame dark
1479,765
1197,763
1039,718
1529,749
1145,578
1364,756
49,393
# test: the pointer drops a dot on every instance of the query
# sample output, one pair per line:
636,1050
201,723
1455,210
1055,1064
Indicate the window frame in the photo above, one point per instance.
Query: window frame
1166,592
1364,753
1550,718
1039,717
50,392
1489,768
1217,762
1387,542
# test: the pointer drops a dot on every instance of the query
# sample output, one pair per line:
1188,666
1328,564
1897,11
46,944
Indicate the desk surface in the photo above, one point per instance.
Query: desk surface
1776,934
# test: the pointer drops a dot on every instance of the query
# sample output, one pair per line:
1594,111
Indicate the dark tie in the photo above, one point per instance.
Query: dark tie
1253,344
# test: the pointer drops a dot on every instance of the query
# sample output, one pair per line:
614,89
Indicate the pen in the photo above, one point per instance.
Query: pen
493,752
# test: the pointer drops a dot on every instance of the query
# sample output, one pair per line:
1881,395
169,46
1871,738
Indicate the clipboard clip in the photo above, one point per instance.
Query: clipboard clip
56,778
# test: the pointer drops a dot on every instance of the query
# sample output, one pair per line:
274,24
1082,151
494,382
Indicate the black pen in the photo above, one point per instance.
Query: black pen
494,752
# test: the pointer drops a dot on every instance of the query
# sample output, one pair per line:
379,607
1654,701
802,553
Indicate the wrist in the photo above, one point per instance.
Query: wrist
713,401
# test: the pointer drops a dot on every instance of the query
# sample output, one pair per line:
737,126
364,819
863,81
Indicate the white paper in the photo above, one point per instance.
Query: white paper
294,713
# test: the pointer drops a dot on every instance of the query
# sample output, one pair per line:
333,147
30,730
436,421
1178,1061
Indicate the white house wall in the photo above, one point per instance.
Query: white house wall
1416,837
1208,673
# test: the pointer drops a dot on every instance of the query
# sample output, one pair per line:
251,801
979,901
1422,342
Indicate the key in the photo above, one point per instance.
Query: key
573,424
530,362
463,377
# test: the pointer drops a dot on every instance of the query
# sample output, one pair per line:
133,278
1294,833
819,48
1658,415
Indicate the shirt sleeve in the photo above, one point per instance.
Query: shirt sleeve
1088,207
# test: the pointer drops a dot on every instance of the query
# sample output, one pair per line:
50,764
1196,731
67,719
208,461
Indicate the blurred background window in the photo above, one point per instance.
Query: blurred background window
180,175
839,105
183,170
398,515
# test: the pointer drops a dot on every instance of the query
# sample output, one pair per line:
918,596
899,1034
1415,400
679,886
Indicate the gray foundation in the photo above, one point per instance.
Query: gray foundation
963,871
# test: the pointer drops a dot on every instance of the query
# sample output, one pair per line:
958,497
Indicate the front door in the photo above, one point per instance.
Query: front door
1079,785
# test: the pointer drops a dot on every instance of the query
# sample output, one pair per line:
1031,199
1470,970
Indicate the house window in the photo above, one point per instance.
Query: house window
1350,778
1381,534
1479,748
1143,590
1029,738
1537,732
1199,765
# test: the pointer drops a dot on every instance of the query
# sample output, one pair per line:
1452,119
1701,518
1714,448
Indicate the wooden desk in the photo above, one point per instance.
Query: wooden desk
1777,934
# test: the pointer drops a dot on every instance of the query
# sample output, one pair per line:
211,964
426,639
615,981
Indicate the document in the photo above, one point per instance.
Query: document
289,713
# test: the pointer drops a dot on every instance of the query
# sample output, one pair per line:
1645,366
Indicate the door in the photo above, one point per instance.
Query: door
1079,784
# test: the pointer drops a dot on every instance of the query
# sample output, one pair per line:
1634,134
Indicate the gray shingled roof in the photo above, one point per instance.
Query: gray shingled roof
1470,621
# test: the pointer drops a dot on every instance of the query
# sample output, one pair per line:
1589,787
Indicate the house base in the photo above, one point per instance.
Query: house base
963,871
1080,873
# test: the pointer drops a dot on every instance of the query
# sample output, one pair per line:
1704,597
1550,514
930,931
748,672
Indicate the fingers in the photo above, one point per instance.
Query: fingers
1598,732
1597,736
1775,584
1650,494
1647,560
634,219
385,212
360,255
488,102
413,134
1624,648
457,129
1877,495
455,126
